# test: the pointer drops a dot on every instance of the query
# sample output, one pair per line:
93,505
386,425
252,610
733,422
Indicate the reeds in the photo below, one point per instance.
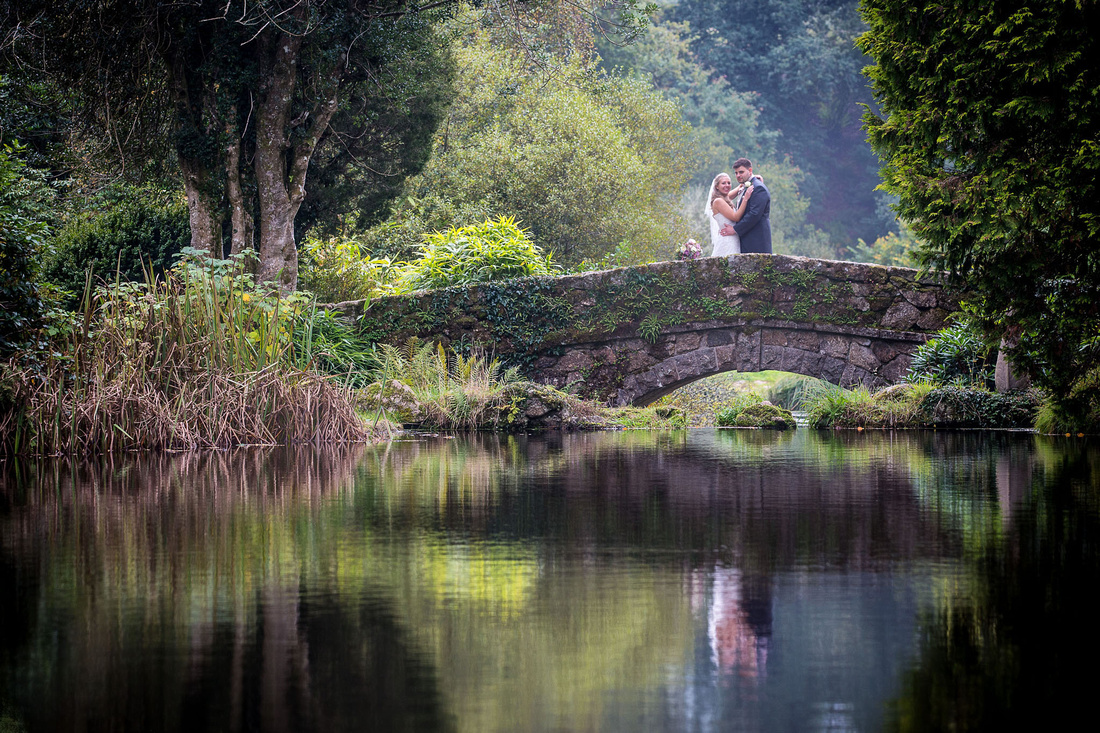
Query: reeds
201,358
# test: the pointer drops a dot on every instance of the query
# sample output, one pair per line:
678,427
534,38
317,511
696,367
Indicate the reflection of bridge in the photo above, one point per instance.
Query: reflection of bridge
633,334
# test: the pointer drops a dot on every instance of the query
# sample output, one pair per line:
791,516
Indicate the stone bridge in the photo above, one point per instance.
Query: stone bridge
631,335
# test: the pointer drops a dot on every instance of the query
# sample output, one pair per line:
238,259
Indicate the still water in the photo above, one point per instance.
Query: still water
698,580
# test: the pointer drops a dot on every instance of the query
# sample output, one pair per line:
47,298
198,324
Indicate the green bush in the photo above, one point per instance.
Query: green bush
583,159
493,250
22,233
143,229
334,270
966,407
1077,412
956,355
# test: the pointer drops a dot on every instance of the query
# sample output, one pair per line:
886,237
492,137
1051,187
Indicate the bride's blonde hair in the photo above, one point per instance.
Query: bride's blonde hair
714,186
714,190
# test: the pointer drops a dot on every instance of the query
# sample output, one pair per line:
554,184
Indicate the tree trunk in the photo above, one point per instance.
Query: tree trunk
242,235
204,211
281,168
193,108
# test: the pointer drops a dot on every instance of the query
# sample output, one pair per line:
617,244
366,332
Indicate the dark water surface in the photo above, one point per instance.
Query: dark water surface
691,581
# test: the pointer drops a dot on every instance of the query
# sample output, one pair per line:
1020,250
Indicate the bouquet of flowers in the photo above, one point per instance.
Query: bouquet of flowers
689,250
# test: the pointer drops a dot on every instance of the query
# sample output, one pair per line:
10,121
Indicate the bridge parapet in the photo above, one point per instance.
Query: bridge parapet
632,334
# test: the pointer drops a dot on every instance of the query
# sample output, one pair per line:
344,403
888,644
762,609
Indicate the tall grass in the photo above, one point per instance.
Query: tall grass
890,408
451,390
199,358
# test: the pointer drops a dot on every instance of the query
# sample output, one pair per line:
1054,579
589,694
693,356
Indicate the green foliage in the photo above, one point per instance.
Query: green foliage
334,270
988,135
23,194
895,249
893,407
1078,411
478,253
956,355
959,406
922,405
139,229
725,121
795,392
582,159
331,347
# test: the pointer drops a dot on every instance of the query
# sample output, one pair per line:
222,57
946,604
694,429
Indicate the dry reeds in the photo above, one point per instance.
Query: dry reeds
200,359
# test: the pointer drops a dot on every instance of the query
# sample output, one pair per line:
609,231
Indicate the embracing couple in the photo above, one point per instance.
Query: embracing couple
739,217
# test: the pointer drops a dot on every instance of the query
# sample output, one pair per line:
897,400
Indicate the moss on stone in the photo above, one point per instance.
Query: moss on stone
757,415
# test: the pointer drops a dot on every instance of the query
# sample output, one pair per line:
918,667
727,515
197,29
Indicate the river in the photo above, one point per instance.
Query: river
699,580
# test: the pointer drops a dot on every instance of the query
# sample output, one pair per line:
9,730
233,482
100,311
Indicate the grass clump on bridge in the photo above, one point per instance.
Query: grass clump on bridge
198,358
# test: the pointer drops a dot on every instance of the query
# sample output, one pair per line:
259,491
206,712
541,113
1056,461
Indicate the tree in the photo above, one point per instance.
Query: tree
988,132
725,122
253,96
249,94
582,159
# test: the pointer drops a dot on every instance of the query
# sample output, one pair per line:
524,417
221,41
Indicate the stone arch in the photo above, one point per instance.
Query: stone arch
629,335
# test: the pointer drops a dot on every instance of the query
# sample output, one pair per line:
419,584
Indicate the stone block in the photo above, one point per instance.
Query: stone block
698,363
794,360
812,364
920,298
771,357
786,294
900,315
718,337
863,357
805,340
686,342
725,355
574,360
772,337
896,368
860,304
832,369
884,350
933,319
835,346
639,360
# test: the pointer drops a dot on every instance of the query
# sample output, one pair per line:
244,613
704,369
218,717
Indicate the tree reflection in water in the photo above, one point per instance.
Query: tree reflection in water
701,580
1017,650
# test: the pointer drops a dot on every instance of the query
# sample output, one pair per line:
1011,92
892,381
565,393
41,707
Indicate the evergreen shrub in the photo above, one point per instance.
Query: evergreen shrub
145,229
956,355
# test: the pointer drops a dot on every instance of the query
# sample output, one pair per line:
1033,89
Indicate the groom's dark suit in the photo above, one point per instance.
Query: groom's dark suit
755,228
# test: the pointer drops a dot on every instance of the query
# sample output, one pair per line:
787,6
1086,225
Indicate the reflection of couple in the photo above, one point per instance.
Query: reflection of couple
739,218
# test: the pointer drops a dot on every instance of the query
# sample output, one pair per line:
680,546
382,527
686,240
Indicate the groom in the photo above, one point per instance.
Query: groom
755,227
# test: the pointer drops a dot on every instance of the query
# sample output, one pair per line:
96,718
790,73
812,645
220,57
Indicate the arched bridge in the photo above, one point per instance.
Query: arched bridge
631,335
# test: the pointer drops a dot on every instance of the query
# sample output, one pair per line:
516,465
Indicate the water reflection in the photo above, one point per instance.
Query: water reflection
700,580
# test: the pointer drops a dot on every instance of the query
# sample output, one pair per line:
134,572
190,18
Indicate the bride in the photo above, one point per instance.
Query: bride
720,212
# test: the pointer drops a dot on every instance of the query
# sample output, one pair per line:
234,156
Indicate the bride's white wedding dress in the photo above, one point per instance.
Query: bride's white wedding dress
722,246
